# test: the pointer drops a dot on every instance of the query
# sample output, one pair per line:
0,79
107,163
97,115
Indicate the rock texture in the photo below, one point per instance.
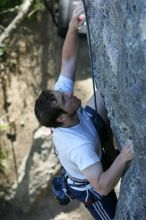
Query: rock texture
118,48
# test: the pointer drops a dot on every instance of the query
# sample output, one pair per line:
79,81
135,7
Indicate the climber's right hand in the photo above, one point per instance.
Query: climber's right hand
78,17
127,150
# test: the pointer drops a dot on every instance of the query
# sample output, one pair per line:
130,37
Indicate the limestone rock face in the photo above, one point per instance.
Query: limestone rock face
118,49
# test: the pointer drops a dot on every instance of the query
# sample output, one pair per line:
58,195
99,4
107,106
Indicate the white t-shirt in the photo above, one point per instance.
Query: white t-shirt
78,147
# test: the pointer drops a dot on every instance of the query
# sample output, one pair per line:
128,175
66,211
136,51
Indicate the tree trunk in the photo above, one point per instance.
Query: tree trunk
117,32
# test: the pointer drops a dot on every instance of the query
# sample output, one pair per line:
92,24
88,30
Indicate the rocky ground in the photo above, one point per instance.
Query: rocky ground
49,209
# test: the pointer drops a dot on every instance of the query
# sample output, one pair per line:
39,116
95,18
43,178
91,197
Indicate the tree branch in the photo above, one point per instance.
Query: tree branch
23,10
15,9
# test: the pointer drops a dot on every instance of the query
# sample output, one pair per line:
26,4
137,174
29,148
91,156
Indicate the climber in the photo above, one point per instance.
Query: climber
76,140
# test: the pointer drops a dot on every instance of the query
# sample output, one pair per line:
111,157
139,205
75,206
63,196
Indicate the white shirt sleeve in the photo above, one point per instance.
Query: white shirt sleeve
83,156
64,84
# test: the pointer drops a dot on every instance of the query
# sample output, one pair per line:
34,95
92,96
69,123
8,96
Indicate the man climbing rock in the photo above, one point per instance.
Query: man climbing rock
75,134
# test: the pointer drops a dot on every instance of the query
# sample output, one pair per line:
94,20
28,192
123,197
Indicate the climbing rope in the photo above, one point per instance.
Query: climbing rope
90,56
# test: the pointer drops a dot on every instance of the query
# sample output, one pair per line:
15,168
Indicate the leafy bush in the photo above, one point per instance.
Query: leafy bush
6,4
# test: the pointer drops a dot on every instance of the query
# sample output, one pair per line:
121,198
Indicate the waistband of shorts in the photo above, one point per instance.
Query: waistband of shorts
79,186
74,179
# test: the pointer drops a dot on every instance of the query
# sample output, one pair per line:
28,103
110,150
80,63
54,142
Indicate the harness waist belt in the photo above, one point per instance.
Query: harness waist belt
82,181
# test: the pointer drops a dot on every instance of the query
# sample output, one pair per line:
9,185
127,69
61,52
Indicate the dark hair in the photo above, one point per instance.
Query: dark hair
45,112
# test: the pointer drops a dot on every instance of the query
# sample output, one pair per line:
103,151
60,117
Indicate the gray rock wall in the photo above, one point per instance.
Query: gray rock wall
118,47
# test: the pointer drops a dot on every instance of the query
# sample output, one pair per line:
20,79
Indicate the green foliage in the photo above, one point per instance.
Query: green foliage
2,154
6,4
2,50
3,128
2,157
36,6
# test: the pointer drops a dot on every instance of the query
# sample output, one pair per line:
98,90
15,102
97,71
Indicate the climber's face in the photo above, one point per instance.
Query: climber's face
67,102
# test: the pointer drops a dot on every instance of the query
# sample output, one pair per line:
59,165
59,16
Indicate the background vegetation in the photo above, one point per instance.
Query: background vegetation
7,4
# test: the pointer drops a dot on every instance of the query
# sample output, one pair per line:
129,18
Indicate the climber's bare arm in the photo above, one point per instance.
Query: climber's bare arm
104,182
70,48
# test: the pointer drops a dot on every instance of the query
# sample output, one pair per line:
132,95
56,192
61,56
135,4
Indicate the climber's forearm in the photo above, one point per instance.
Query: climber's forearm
109,179
70,48
104,182
70,53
